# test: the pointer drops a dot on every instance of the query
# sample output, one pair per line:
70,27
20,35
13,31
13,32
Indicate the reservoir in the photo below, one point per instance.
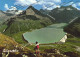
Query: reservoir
50,34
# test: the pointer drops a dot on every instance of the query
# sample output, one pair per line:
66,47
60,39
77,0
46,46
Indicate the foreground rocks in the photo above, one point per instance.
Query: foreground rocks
53,53
45,53
72,54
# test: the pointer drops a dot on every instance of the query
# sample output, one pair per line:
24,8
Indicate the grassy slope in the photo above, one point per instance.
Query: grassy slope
73,41
10,44
22,23
69,46
73,28
19,38
18,27
7,42
2,27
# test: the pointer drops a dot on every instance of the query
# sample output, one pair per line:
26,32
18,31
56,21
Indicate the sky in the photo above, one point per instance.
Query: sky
38,4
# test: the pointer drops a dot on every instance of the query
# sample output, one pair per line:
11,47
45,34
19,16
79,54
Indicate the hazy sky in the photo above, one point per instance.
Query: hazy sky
44,4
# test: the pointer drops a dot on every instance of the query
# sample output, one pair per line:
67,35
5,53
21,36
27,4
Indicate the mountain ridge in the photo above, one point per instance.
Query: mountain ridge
26,22
74,28
5,16
65,13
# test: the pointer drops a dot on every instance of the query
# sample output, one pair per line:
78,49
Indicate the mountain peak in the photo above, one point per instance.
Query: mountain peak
30,7
32,11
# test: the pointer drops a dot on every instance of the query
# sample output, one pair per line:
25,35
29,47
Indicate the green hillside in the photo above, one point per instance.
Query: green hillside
28,20
74,28
2,27
25,25
65,14
7,42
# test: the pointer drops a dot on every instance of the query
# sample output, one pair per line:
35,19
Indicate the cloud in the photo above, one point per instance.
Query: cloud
6,6
43,3
49,5
76,6
24,2
44,7
11,8
70,3
58,1
49,1
53,7
55,1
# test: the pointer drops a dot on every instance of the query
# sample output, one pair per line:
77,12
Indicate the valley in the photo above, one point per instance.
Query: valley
47,27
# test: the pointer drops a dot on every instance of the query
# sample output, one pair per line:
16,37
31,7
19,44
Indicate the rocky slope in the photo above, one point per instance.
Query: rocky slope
4,16
65,13
28,20
74,27
7,43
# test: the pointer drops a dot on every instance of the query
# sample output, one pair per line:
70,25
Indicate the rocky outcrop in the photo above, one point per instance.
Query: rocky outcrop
72,54
53,53
46,53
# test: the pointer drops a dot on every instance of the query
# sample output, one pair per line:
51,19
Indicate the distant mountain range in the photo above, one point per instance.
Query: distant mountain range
45,11
74,27
63,14
29,19
14,12
5,15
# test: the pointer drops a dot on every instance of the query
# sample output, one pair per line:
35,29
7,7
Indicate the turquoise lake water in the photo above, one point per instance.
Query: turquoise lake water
50,34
